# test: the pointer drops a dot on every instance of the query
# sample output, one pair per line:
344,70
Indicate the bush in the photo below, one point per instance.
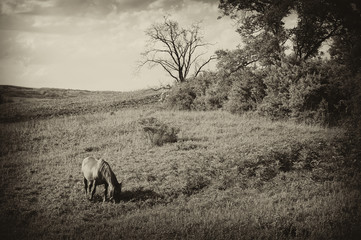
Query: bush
277,100
200,93
321,93
246,93
158,132
217,94
181,97
312,91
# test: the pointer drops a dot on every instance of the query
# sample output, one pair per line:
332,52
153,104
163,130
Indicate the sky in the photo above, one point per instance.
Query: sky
95,44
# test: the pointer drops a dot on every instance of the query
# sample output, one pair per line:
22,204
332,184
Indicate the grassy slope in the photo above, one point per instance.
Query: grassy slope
228,177
22,104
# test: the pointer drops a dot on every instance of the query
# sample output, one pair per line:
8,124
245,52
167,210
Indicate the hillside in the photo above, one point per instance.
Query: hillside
21,104
227,176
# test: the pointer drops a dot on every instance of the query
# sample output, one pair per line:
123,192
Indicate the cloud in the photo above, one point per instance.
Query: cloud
119,6
94,44
23,6
72,7
90,7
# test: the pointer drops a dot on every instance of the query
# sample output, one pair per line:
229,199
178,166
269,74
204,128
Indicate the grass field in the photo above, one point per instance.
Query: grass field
227,176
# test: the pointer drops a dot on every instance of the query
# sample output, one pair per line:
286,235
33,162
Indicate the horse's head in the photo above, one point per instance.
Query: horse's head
117,192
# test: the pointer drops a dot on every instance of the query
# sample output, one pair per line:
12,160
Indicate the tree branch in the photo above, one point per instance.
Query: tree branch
174,49
205,63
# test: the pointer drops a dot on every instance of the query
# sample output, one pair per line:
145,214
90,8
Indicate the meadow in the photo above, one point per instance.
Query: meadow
227,176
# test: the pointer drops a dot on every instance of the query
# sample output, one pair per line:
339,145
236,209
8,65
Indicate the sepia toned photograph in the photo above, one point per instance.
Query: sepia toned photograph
180,119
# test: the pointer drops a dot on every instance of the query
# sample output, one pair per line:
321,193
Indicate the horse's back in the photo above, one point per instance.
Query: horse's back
90,168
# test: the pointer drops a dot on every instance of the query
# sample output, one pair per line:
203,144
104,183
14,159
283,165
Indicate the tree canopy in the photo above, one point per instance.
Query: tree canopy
318,21
176,49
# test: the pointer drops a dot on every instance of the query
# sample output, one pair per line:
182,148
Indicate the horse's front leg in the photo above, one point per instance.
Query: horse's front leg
105,192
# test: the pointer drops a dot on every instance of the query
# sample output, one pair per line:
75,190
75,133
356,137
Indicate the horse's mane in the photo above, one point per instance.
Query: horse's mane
107,172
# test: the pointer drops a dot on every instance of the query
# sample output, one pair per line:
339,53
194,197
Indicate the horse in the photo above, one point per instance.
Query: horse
98,172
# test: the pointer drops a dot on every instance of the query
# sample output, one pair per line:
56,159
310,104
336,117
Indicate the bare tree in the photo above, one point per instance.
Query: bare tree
175,49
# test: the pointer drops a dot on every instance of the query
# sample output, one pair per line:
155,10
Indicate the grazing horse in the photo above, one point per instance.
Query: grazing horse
98,172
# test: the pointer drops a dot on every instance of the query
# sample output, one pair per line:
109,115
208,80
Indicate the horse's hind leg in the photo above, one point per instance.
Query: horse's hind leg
93,189
86,186
90,186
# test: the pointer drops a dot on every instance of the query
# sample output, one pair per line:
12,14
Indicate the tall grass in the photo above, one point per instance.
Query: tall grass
225,178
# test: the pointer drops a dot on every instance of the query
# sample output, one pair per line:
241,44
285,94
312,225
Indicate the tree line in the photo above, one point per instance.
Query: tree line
279,71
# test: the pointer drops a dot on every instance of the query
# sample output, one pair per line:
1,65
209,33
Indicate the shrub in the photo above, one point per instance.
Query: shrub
217,95
320,93
200,93
313,91
278,81
181,97
246,93
158,132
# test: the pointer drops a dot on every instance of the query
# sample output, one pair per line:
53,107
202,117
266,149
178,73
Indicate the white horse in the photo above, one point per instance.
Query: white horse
98,172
